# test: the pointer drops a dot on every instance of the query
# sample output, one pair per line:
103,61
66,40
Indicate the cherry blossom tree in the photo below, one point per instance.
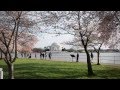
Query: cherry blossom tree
77,23
12,24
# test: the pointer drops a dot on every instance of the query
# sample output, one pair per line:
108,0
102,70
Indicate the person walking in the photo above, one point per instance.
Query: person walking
29,56
45,55
77,58
35,55
40,55
50,54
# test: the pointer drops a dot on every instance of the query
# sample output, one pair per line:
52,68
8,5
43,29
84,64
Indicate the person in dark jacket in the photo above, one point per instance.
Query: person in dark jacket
77,58
50,54
29,56
35,55
43,54
40,55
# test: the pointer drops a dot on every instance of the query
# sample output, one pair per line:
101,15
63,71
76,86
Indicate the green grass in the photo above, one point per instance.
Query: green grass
46,69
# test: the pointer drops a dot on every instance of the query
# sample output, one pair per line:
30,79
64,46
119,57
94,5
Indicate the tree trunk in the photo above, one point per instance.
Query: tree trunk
98,55
0,55
90,71
10,71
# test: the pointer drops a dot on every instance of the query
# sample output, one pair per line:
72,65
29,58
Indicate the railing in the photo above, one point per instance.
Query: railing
110,59
104,57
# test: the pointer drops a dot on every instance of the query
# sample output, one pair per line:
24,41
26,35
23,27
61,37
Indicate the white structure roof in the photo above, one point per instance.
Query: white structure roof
55,47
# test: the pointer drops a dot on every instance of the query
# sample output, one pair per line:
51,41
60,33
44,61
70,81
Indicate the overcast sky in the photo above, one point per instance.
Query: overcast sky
48,39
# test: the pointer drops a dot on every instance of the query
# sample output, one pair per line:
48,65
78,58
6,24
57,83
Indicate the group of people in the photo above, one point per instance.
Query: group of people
43,55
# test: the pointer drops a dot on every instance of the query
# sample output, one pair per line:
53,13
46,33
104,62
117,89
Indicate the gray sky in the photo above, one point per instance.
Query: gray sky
48,39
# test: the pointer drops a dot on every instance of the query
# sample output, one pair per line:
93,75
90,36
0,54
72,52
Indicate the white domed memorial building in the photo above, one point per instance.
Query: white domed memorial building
55,47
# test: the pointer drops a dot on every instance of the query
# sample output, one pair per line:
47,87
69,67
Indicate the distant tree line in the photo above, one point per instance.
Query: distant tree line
37,50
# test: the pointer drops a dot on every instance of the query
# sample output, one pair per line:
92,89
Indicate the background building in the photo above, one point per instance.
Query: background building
55,47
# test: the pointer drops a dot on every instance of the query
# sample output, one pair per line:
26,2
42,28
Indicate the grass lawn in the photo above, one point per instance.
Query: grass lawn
46,69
